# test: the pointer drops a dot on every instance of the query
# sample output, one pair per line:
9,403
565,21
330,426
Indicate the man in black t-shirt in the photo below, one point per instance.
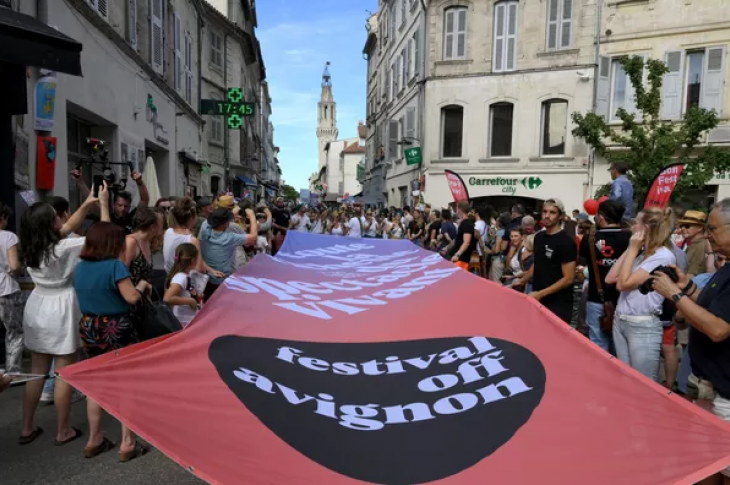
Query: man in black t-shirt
610,243
465,242
281,217
708,311
555,261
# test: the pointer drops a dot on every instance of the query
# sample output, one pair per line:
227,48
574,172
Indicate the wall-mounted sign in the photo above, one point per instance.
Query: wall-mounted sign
509,185
234,108
45,103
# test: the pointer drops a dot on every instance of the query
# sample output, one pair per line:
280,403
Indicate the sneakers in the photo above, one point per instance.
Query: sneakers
47,397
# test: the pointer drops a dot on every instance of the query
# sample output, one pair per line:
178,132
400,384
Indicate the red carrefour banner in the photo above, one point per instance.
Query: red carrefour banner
661,189
346,361
457,186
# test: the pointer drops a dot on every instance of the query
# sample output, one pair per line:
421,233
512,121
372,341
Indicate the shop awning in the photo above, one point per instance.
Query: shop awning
27,41
247,181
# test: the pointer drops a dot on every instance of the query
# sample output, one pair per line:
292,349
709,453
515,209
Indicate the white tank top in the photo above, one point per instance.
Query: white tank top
515,263
172,241
337,231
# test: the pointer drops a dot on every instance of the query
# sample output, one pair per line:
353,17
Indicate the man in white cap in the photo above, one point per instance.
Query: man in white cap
555,260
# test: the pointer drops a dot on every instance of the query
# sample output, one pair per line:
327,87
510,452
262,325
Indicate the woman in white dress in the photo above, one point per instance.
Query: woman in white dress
51,317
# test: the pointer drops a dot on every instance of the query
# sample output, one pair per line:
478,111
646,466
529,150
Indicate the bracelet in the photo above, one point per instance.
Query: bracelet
694,290
688,287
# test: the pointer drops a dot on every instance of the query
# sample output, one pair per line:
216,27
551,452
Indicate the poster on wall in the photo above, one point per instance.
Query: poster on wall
45,101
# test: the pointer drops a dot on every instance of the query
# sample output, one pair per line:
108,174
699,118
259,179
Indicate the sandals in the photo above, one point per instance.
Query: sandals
140,449
77,434
26,440
97,450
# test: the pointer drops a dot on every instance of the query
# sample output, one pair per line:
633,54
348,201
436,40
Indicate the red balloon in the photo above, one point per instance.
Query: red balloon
591,207
602,199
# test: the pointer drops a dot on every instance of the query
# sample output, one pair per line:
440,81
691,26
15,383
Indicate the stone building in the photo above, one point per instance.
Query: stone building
146,65
395,100
693,40
503,78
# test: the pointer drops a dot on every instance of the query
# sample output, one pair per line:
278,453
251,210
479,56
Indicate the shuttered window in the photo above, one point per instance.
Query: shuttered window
156,35
455,33
559,24
132,23
178,54
504,49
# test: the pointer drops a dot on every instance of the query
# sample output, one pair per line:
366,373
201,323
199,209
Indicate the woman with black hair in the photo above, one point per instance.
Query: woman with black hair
52,314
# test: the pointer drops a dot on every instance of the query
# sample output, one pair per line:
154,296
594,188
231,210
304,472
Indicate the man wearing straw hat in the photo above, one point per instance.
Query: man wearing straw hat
692,225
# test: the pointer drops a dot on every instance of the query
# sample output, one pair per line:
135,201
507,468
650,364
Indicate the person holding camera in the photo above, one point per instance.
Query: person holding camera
637,328
122,213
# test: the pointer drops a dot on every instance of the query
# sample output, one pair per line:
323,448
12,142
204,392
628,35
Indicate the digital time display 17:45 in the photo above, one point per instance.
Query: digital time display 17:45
228,108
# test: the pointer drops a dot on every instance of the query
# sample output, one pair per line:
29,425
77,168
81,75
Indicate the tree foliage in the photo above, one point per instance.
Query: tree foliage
647,143
289,192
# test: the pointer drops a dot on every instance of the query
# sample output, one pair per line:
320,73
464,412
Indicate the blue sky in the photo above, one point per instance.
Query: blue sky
297,38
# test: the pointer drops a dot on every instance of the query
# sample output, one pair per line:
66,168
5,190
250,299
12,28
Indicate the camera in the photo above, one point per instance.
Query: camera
100,156
648,285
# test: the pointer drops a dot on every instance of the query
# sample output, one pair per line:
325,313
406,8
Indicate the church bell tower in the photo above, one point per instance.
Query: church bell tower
326,116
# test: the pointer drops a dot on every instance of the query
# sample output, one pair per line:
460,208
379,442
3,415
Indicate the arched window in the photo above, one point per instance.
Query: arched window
455,33
554,126
500,129
452,131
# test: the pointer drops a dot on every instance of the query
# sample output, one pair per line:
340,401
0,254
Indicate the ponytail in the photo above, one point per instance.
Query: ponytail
185,257
660,224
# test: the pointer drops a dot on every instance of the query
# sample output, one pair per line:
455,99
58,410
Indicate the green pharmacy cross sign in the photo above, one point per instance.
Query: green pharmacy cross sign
233,108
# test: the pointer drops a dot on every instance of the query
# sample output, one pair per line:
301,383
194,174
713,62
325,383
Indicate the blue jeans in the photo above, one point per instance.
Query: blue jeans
638,342
594,313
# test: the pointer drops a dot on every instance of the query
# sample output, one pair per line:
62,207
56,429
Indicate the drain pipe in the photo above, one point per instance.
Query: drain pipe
592,160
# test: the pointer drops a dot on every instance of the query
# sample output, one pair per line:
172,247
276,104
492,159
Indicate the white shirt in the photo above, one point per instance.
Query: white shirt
8,284
317,229
353,227
385,226
171,242
633,303
481,226
407,219
183,312
300,222
372,231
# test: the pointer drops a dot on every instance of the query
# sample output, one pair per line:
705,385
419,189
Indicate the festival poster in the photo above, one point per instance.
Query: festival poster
663,185
457,186
347,361
45,102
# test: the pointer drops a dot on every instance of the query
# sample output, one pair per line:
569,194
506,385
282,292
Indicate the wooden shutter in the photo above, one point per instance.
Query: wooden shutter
417,53
449,34
178,54
552,24
461,33
511,29
407,61
387,84
499,37
713,79
393,140
188,67
603,87
132,19
156,35
411,124
672,87
566,24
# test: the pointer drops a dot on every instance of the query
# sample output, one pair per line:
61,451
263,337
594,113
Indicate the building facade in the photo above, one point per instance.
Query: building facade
146,65
503,78
395,101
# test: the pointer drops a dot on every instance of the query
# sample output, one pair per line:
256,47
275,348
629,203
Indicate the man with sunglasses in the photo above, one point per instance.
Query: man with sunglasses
692,226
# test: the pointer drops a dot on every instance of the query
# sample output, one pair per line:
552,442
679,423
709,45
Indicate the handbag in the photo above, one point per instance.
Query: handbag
608,307
155,319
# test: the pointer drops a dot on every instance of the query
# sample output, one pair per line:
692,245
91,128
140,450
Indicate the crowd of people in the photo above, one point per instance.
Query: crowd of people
651,289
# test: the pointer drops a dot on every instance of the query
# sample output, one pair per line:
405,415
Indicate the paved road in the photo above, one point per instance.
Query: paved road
41,463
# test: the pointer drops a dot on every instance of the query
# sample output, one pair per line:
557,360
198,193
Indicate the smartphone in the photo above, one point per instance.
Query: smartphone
98,184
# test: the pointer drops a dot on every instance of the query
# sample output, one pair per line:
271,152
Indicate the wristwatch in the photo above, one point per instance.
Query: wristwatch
678,296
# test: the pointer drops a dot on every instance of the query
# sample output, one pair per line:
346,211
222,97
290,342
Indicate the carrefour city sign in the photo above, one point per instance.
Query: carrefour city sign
509,185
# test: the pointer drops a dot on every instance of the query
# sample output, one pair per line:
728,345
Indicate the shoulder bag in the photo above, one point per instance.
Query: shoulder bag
608,307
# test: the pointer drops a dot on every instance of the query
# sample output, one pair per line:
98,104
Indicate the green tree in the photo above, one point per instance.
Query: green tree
289,192
650,144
